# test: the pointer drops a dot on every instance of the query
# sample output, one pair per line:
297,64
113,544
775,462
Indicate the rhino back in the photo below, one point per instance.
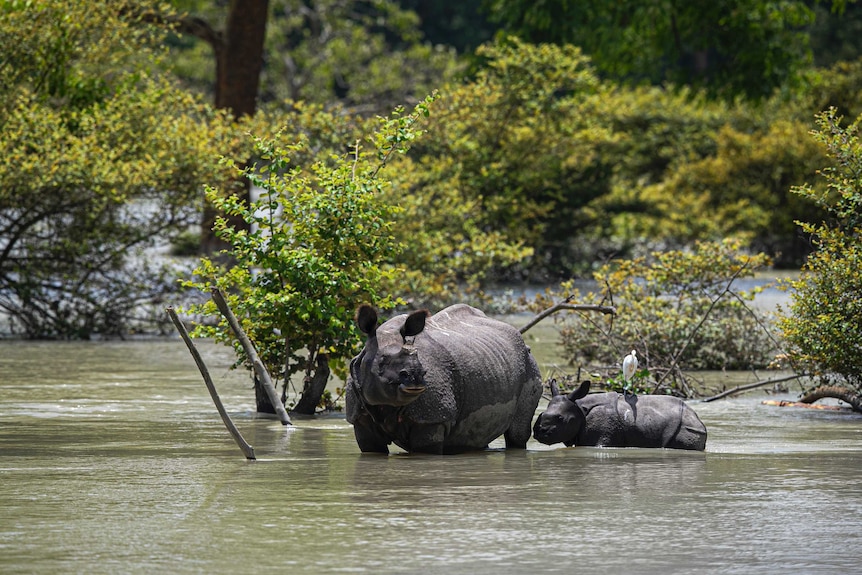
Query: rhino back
614,420
486,359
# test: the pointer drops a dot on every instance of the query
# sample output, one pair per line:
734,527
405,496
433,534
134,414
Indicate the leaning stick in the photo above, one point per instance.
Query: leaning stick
564,305
247,449
259,368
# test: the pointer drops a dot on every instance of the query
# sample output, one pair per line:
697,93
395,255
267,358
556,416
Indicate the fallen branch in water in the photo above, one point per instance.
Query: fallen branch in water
251,353
247,449
565,305
756,384
783,403
840,392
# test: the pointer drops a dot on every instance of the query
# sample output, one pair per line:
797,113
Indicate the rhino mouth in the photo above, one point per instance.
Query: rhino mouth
411,389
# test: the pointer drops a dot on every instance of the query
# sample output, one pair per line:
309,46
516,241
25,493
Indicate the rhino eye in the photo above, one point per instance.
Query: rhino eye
381,366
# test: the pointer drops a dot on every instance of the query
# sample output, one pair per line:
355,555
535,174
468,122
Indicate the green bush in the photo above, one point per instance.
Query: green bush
825,315
538,168
321,243
101,162
679,310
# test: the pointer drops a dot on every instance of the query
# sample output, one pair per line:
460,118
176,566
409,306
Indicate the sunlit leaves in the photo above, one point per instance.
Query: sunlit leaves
825,316
100,159
322,241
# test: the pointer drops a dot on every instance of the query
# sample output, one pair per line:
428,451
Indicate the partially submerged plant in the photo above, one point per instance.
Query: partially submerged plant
682,311
825,319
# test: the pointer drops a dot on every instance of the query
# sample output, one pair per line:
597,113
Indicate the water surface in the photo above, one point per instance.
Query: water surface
114,460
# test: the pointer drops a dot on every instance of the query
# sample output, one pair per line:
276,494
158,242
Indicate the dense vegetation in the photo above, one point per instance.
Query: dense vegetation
101,160
825,319
556,145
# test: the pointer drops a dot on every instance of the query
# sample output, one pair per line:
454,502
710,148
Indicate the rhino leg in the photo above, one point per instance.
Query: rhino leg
522,422
691,433
428,438
369,437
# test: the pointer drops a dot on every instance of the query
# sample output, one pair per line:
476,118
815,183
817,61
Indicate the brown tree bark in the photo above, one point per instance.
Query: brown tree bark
313,388
238,51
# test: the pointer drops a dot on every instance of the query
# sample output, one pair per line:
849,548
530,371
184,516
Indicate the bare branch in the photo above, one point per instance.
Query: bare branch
259,369
691,335
756,384
247,449
565,305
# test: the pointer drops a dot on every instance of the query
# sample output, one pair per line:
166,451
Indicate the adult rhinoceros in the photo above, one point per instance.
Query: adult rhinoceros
448,383
614,420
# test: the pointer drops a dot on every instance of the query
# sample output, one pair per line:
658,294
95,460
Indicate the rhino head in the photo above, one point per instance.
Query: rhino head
391,373
564,419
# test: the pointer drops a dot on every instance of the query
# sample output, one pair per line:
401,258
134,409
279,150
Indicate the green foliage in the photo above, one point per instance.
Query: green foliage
825,317
505,151
728,47
742,189
100,159
321,242
679,310
557,170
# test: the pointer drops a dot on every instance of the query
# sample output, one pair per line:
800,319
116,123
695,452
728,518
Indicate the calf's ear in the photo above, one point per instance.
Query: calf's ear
580,392
366,319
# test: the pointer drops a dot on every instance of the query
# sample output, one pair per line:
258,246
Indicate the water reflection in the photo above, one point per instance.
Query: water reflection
114,460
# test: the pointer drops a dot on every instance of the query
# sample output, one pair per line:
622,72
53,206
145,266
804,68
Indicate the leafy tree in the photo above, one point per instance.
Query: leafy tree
825,316
510,150
321,242
836,34
462,25
729,47
101,159
237,50
742,189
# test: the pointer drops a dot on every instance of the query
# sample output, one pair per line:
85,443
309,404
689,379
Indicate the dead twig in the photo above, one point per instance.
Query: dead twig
691,335
247,449
565,305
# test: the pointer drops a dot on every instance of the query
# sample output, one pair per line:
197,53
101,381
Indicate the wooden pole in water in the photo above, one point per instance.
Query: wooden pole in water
259,368
247,449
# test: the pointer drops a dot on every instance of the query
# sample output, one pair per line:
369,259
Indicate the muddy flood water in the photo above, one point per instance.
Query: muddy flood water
114,460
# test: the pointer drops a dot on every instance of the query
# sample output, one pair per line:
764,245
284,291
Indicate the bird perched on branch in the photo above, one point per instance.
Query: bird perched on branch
630,366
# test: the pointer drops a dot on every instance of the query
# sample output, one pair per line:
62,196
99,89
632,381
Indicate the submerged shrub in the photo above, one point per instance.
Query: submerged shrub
825,320
680,311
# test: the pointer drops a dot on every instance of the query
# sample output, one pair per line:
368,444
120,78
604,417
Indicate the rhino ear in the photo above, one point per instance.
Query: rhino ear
366,319
414,324
580,392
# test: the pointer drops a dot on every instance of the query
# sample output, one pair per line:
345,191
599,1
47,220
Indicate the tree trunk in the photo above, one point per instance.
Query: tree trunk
314,387
261,399
845,394
239,61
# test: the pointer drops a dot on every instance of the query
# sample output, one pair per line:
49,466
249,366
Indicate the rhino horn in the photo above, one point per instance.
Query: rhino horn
555,391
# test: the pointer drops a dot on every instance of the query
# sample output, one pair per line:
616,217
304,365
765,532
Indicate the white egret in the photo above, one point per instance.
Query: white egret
630,365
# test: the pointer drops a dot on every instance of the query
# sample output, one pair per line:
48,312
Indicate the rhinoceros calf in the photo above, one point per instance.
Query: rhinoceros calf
614,420
448,383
